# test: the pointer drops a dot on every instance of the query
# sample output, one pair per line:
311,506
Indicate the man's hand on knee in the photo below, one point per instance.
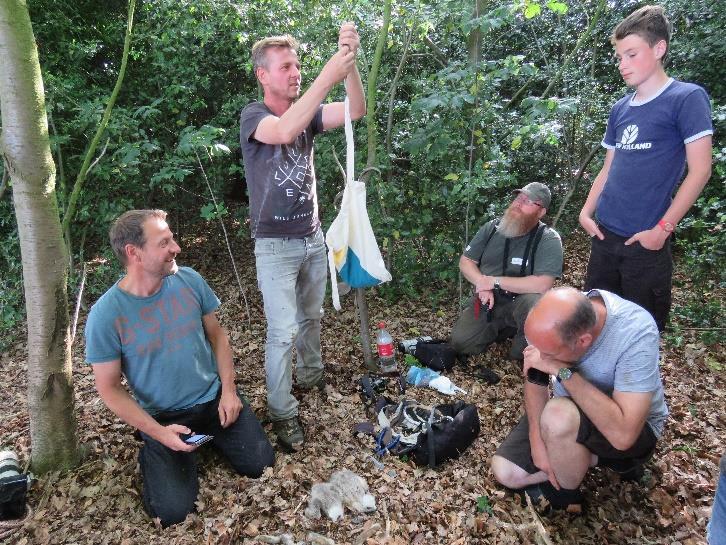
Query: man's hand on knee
229,408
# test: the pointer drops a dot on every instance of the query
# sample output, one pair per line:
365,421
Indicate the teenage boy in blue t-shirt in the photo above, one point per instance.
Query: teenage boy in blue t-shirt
157,327
651,135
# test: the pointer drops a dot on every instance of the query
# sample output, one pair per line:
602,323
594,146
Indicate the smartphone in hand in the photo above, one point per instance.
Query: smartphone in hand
535,376
196,439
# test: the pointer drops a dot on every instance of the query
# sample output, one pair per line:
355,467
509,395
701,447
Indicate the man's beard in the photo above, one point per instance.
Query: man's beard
515,223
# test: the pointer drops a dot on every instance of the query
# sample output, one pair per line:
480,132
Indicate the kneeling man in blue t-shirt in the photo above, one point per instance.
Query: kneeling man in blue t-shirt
608,407
157,326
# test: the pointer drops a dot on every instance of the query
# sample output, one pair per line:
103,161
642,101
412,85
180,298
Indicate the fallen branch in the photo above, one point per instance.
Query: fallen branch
541,530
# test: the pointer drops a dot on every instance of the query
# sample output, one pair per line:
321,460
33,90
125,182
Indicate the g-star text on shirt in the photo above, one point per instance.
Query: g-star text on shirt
627,140
177,315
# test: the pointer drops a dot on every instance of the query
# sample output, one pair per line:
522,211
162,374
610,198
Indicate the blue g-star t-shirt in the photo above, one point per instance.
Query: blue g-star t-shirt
649,139
160,340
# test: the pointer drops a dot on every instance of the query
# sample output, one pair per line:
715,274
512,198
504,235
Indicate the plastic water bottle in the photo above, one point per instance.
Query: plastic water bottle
408,346
386,354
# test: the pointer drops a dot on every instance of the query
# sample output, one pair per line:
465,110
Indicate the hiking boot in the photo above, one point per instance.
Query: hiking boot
318,385
289,433
562,499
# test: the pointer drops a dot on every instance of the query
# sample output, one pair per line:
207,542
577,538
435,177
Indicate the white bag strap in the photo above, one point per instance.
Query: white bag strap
350,153
333,280
349,166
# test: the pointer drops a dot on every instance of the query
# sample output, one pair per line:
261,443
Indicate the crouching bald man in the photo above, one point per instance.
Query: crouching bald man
608,407
157,326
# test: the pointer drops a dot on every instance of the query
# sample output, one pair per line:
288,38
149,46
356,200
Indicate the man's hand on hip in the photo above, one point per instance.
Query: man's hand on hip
590,226
652,239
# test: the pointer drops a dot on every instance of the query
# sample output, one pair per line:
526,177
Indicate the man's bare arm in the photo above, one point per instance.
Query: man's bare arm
118,400
284,129
619,418
334,113
588,209
698,156
230,404
482,282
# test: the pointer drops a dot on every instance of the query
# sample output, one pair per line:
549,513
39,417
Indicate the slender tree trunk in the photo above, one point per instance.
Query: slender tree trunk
474,39
373,82
86,166
360,296
26,150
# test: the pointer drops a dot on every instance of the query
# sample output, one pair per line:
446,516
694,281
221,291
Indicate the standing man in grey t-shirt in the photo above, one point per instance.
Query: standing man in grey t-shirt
277,146
608,407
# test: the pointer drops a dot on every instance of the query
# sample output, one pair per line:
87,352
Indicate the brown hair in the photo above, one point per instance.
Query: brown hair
129,229
259,50
648,22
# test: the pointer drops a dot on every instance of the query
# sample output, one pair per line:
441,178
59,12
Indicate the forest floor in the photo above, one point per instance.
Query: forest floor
460,503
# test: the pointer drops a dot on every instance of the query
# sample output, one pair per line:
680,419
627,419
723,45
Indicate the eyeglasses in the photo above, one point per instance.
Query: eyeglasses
523,199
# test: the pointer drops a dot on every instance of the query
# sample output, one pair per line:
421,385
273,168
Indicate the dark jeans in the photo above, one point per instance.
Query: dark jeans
170,477
633,272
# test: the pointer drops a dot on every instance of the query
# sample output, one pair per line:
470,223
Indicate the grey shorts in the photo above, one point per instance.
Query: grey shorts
516,447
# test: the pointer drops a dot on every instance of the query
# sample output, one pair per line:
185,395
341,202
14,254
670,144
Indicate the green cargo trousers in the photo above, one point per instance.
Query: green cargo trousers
471,335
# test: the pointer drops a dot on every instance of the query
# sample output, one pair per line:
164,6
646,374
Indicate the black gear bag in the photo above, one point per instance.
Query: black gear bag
447,439
436,354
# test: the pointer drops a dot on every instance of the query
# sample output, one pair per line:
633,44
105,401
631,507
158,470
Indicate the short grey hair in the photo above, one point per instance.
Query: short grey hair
129,229
259,50
582,320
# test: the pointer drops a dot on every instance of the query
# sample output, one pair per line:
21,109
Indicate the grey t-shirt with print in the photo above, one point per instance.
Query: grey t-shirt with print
489,255
625,356
280,178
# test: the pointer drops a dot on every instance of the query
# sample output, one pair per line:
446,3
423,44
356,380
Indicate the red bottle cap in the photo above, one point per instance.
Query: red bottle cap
381,325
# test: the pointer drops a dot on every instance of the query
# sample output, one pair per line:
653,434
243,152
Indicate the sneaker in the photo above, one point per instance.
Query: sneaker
289,433
562,499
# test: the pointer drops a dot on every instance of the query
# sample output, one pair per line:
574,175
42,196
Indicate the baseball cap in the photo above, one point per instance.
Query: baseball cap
538,192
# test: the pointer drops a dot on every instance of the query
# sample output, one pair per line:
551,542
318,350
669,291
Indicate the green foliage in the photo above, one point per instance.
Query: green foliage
483,505
12,302
458,142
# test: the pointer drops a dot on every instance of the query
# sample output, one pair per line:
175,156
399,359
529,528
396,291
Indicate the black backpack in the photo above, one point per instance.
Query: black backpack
448,439
435,354
429,437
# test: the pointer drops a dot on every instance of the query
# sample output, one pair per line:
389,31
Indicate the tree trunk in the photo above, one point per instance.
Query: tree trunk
474,39
360,296
26,150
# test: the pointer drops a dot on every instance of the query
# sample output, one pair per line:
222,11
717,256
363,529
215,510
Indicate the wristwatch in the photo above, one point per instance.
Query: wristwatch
565,373
666,226
496,283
